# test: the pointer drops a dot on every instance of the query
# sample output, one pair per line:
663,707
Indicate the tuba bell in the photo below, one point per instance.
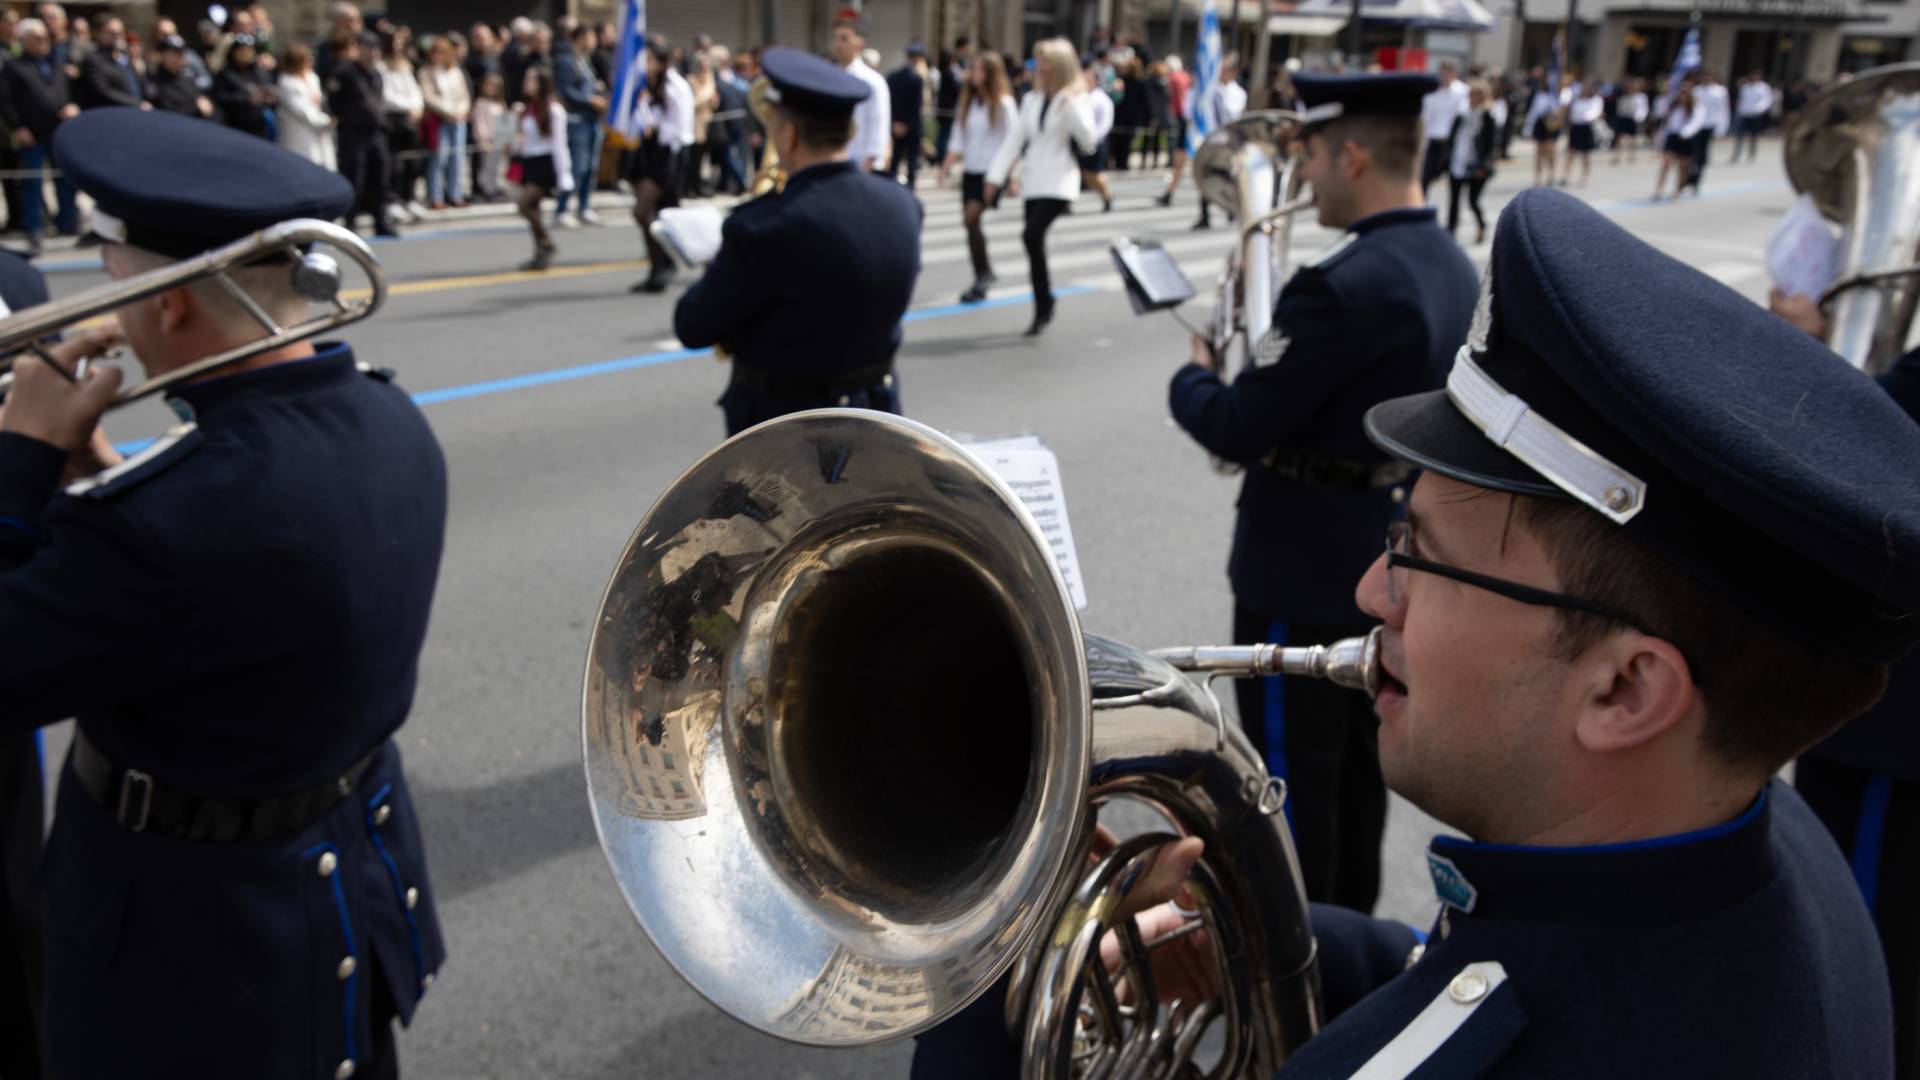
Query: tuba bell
1854,149
845,743
1251,169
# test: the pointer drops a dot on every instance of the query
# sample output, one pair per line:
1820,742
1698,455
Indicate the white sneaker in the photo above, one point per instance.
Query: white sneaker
566,221
400,213
588,217
414,208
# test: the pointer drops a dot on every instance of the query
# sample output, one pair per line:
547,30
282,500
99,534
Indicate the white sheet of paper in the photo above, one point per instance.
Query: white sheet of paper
1033,473
693,233
1803,254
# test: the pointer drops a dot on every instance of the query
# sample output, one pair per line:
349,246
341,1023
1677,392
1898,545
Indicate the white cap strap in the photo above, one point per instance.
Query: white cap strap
1511,424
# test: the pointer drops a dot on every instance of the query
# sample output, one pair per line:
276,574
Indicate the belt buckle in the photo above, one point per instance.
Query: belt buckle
127,781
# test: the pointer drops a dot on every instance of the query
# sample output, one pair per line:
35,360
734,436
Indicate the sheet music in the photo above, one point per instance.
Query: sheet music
1153,278
1024,464
691,233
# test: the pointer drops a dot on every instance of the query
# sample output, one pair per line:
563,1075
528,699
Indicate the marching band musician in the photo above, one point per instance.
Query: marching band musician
235,880
1662,544
810,283
1378,314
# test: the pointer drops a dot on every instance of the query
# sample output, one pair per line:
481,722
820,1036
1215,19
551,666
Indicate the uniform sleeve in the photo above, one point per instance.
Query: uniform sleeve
1358,954
1329,344
730,292
29,476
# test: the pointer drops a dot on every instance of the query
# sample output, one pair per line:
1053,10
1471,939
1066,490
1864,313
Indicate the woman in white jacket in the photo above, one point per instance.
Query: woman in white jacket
305,126
1055,127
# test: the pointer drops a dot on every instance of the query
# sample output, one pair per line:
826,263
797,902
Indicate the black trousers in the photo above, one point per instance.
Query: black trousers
1041,214
365,161
1702,147
1473,186
1323,740
1433,162
409,168
906,154
1876,819
1120,149
21,813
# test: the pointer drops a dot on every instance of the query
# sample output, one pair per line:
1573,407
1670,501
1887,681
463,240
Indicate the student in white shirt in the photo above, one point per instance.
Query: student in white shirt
1584,113
666,125
1630,112
1055,128
1756,108
1716,119
1684,123
985,118
872,145
540,150
1093,164
1438,112
1229,101
1546,116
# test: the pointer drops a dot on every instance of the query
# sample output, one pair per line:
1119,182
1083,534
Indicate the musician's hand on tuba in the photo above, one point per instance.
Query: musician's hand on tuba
1183,969
59,400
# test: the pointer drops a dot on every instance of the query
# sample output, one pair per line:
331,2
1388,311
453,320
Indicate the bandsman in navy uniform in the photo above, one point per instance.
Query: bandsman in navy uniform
810,283
1377,315
1662,543
235,880
22,810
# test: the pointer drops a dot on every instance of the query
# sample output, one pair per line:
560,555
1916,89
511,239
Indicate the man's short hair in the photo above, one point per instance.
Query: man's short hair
1768,695
1395,142
29,27
821,132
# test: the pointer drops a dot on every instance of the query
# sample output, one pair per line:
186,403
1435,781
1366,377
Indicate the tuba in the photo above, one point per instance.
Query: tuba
1854,148
845,743
770,177
1250,169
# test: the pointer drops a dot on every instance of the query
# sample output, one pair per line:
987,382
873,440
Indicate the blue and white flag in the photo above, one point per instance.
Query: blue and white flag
1688,60
1206,72
629,72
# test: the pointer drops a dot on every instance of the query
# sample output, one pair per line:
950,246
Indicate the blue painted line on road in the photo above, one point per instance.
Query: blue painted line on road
668,356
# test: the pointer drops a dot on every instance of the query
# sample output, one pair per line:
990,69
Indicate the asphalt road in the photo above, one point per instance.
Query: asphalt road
555,453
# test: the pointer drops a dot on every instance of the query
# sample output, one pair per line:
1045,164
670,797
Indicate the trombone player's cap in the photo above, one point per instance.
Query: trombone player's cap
1329,97
813,84
1738,447
179,185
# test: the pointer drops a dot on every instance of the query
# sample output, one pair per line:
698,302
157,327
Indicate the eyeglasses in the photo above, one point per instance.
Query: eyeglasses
1401,561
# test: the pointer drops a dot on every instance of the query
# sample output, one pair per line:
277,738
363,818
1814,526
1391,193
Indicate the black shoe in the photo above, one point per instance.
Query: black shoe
386,230
975,294
989,279
1039,324
652,285
1106,204
542,258
86,239
1203,223
1165,199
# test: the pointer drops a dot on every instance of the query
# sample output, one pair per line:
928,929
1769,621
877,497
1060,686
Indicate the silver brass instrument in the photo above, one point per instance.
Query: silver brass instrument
845,741
316,276
1855,148
1251,169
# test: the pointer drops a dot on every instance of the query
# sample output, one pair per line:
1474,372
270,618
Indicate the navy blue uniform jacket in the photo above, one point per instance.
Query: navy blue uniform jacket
1378,317
1742,950
811,281
240,617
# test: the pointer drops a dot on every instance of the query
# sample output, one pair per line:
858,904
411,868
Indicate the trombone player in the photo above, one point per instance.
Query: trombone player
1378,314
234,617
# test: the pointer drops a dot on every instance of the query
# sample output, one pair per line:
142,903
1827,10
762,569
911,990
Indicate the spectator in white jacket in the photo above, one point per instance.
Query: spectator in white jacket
306,128
1056,127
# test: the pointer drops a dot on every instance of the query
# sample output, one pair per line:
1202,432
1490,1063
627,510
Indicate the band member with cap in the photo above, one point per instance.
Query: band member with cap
235,880
1661,543
1376,315
810,283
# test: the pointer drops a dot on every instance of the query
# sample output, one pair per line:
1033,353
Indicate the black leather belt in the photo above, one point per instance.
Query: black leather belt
141,804
792,387
1323,471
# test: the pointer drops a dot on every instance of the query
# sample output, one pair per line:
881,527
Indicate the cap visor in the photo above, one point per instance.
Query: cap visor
1427,431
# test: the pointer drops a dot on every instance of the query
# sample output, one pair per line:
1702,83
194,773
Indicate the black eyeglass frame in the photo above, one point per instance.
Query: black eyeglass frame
1512,590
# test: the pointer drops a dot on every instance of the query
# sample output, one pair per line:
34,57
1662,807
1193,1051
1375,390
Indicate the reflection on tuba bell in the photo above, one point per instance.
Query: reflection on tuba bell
1250,169
845,742
316,276
1855,148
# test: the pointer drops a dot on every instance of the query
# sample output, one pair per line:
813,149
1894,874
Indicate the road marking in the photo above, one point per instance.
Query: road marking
509,277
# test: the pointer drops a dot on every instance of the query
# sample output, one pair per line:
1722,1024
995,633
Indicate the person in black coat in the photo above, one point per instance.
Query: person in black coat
907,89
243,90
107,76
1381,313
35,99
353,97
236,871
810,283
172,87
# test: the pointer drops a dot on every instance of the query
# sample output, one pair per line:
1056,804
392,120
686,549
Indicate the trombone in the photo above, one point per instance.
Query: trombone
316,276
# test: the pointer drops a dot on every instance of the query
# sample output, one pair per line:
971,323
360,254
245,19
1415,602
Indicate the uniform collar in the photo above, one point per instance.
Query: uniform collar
331,362
1664,879
813,174
1405,215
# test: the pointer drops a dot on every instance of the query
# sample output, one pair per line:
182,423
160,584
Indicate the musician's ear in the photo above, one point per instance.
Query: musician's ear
1355,160
173,307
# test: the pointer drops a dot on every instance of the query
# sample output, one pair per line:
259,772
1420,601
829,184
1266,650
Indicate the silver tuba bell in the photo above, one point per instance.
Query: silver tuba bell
845,741
1855,148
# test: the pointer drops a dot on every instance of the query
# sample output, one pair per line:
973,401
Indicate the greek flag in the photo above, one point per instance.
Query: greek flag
629,72
1206,72
1688,60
